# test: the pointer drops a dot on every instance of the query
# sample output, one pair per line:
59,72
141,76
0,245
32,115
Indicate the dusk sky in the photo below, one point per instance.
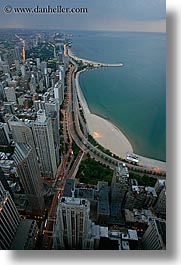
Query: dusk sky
118,15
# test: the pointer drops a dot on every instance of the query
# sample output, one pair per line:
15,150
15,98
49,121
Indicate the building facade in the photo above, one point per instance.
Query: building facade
9,219
72,223
155,236
4,136
29,173
43,135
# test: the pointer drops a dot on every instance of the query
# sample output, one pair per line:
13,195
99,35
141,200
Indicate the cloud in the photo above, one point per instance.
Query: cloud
148,15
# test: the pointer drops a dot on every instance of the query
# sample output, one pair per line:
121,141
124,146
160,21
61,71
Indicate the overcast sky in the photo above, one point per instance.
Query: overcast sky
127,15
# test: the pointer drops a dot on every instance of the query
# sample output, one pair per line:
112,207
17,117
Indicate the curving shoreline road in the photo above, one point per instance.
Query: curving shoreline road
107,134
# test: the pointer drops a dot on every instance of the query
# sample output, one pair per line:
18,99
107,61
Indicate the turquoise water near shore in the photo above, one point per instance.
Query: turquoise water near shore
132,97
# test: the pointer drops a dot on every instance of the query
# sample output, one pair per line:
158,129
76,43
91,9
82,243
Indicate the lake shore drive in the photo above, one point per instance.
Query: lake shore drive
109,136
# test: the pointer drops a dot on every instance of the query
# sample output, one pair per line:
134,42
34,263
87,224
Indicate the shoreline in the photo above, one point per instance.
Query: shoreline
110,136
95,64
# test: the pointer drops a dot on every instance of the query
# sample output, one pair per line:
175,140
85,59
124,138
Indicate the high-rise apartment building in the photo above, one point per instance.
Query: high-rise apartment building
10,94
16,53
6,68
72,223
2,93
119,188
29,173
160,205
22,133
43,135
26,160
9,219
159,185
38,63
4,136
155,236
52,111
139,197
59,92
51,107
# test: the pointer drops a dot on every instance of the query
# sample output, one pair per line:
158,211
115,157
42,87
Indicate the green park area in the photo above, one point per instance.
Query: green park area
91,171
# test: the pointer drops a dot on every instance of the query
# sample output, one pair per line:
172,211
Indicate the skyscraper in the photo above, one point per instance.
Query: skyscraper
26,160
22,133
155,236
10,94
43,134
16,53
4,136
160,205
72,223
119,188
38,63
2,93
51,107
159,185
30,177
9,219
59,92
52,111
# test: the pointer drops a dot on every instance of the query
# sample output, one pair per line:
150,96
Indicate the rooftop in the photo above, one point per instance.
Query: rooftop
66,201
22,234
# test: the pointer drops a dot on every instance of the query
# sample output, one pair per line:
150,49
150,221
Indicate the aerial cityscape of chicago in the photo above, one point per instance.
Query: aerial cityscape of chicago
83,125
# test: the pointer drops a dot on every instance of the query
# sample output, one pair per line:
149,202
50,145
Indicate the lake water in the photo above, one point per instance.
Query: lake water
132,97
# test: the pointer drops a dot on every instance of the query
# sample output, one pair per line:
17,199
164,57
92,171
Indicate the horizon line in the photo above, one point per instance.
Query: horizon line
105,30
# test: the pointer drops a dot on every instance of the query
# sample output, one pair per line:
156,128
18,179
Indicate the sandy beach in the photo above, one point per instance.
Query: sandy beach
109,136
96,64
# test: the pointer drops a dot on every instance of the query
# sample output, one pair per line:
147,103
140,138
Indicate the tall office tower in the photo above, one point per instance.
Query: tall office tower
52,111
38,63
155,236
10,94
41,85
139,197
119,188
4,181
72,223
6,68
59,92
16,53
46,80
44,69
23,70
60,57
26,159
103,210
160,184
2,93
46,96
54,52
4,134
9,219
22,133
9,107
38,76
62,75
43,134
39,104
29,173
65,61
160,205
32,83
17,65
